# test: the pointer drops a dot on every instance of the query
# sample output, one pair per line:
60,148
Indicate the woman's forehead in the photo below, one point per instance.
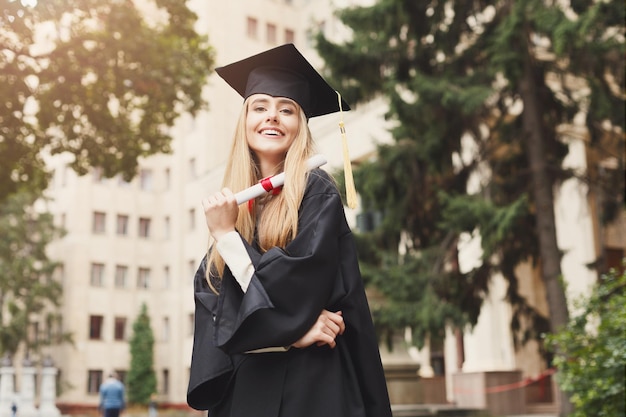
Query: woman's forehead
260,97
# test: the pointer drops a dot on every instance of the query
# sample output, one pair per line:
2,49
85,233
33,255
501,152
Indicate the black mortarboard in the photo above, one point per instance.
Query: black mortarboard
283,72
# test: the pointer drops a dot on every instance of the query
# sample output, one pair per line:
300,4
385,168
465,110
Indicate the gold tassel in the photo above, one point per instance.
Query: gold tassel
347,164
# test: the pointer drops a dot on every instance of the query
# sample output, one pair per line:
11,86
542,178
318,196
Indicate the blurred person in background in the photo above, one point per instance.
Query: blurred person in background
112,396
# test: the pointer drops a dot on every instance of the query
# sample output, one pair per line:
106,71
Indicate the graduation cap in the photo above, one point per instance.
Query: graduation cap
284,72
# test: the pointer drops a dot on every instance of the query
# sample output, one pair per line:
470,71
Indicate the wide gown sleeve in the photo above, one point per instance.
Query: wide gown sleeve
210,368
291,286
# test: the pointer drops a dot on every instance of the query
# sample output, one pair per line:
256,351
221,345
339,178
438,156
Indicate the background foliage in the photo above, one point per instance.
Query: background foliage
100,80
591,353
484,96
29,290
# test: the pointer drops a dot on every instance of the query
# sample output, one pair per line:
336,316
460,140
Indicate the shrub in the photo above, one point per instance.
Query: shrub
590,353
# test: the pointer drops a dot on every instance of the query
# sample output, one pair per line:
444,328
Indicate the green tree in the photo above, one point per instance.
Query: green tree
591,353
30,295
506,77
141,378
101,80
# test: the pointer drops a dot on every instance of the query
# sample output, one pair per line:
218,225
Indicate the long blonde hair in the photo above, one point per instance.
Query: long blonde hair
276,224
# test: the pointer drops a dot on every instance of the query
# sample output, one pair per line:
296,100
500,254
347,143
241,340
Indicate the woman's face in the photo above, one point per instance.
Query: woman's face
272,124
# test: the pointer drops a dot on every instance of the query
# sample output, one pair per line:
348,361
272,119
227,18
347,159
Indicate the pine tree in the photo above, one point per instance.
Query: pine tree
504,77
141,378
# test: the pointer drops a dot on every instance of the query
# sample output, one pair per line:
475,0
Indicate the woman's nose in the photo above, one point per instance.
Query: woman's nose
272,114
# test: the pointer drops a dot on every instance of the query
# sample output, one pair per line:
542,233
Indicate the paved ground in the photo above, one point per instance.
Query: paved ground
413,410
440,410
529,415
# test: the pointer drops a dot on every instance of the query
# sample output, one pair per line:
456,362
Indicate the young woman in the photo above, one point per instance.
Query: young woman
283,327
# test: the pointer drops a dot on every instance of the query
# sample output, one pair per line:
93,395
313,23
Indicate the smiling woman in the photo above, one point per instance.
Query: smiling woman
272,124
282,324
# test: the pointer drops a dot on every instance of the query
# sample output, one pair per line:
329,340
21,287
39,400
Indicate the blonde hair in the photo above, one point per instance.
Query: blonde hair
276,222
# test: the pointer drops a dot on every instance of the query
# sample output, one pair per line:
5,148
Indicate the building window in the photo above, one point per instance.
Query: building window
143,278
145,179
121,375
122,225
121,274
252,27
168,179
97,275
59,327
119,332
290,36
166,277
166,381
59,273
99,222
49,330
95,327
192,269
34,331
193,173
270,30
614,259
94,380
144,227
165,336
192,219
166,227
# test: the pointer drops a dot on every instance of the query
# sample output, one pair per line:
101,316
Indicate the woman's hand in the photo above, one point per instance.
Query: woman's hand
324,332
220,211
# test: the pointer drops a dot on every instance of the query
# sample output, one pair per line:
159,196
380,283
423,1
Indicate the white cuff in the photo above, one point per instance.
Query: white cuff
270,349
234,253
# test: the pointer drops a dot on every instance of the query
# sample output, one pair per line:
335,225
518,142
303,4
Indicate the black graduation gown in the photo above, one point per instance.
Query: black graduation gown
317,270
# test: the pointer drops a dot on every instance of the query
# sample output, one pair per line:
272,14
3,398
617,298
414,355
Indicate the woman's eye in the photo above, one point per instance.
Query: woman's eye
259,109
287,111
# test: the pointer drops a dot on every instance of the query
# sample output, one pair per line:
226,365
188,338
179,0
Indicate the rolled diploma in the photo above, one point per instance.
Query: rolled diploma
278,180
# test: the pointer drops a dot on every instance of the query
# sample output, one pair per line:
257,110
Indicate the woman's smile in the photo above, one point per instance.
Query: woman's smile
272,132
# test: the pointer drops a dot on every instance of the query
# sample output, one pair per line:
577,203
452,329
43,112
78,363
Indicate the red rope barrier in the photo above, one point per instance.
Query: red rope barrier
507,387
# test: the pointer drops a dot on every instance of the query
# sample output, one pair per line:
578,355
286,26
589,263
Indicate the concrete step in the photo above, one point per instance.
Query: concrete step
542,409
434,410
